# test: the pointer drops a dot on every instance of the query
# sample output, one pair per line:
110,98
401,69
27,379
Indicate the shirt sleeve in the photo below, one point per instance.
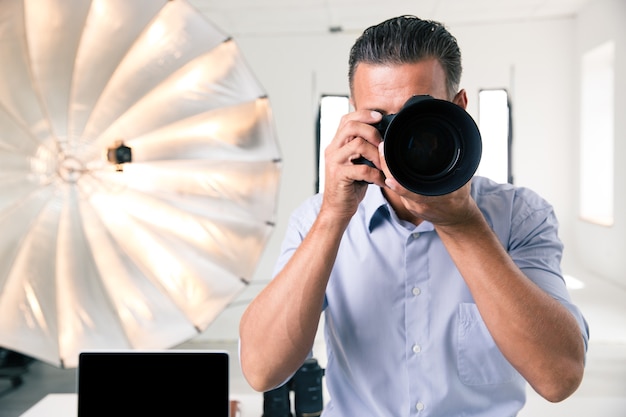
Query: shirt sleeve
534,245
298,226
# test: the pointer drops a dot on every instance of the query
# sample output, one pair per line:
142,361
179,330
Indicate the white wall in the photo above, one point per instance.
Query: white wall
602,250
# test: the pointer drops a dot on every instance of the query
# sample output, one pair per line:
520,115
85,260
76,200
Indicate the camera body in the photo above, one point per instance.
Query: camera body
432,147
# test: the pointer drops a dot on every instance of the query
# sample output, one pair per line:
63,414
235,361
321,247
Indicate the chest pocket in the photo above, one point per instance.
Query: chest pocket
479,360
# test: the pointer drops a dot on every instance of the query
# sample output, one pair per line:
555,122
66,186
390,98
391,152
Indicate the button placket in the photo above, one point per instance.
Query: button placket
417,318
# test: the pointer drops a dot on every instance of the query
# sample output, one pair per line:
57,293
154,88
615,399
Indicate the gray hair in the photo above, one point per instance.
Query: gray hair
406,40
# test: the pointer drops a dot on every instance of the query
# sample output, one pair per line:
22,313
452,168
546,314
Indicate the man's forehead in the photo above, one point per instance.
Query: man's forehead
374,82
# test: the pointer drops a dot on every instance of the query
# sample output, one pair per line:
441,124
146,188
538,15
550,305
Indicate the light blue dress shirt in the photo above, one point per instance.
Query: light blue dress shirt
403,334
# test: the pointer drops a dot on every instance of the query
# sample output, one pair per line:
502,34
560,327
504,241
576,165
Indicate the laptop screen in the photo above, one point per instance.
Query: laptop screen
160,383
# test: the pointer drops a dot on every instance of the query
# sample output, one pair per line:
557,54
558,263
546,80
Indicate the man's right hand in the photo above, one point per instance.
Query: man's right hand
346,182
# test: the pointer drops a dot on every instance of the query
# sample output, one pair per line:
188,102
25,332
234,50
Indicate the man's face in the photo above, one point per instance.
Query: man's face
385,88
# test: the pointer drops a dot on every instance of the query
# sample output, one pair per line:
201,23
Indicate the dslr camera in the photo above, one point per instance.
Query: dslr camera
432,147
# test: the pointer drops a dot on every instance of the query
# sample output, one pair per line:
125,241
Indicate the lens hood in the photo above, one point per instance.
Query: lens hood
432,147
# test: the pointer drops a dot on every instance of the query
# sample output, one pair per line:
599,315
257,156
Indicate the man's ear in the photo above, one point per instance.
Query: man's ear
461,99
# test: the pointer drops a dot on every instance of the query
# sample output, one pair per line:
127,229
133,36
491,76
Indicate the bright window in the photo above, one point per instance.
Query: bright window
597,135
332,108
495,129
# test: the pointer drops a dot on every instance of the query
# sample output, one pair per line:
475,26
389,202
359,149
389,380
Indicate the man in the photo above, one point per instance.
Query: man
434,306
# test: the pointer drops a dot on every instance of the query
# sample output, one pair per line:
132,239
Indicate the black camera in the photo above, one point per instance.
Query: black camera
432,147
307,387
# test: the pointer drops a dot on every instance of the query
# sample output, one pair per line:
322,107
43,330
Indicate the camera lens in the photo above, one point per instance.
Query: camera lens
432,147
307,385
276,402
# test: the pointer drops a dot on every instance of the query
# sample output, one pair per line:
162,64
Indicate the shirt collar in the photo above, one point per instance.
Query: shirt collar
377,210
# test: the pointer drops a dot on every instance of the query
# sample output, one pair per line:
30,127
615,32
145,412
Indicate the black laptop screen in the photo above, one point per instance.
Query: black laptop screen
165,383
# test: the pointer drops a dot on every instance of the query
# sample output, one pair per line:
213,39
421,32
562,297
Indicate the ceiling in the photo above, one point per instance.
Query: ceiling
283,17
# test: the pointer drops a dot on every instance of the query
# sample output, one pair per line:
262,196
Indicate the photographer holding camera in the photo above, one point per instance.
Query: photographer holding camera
438,304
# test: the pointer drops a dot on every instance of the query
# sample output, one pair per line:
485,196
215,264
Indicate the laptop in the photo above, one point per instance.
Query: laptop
169,383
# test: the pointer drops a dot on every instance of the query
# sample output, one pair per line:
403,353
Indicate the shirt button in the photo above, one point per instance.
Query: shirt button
419,406
416,235
417,348
416,291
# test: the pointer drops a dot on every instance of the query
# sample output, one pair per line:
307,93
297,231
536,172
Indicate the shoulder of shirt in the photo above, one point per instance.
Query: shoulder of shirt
503,204
304,215
485,188
313,204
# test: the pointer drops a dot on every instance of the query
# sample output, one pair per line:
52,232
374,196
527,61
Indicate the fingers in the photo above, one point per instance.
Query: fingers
356,139
390,181
358,125
353,120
